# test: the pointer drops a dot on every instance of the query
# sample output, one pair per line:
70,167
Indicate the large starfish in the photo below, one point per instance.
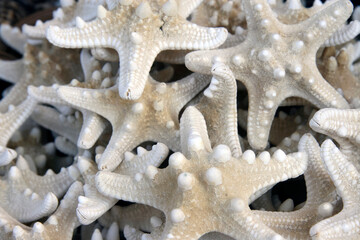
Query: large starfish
345,224
138,31
153,117
277,61
205,190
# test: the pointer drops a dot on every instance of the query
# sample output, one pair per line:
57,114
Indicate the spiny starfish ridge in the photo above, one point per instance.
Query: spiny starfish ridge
138,31
197,192
153,117
277,61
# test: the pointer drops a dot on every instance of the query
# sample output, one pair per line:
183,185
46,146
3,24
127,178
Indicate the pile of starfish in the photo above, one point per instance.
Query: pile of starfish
177,119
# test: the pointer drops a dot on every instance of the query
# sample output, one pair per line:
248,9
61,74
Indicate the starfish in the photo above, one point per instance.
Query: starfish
59,226
95,78
138,31
27,196
153,117
277,61
346,177
94,204
65,16
13,37
343,126
321,198
201,186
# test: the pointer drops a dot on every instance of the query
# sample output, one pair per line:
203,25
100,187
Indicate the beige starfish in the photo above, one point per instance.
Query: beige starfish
343,126
205,190
345,224
153,117
59,226
138,31
94,204
277,61
320,203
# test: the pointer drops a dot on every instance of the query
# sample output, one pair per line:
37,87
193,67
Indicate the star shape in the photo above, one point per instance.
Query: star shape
138,31
346,177
153,117
197,192
277,61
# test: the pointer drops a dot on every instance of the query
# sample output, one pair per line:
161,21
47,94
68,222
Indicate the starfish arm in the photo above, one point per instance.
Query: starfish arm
93,205
46,95
186,89
11,71
143,159
193,131
16,96
219,109
344,34
100,101
122,140
52,119
93,126
13,37
346,178
6,156
11,223
186,7
65,146
87,63
22,202
189,36
105,54
39,30
173,57
136,215
50,182
14,118
127,188
135,64
180,231
267,170
319,27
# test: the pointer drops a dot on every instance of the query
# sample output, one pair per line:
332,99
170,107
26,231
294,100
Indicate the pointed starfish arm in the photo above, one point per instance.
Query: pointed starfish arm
11,71
46,95
93,126
14,118
15,97
13,37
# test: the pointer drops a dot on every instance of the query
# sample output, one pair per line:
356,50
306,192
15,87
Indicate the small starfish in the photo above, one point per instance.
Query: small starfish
343,126
65,16
138,31
320,202
345,224
199,192
59,226
27,196
93,125
277,61
94,204
153,117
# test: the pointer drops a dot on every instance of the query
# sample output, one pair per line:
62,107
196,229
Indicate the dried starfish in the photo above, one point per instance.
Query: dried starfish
138,31
277,61
346,177
211,178
343,126
153,117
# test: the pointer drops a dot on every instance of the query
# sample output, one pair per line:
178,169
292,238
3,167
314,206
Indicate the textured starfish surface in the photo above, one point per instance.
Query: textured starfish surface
335,69
219,109
59,225
269,70
41,66
320,202
345,224
27,196
153,117
138,31
343,126
65,16
205,175
95,78
94,204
